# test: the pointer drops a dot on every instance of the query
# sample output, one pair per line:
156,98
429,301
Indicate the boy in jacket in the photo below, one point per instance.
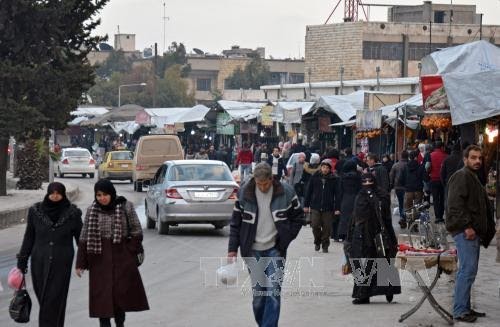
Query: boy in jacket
267,216
323,201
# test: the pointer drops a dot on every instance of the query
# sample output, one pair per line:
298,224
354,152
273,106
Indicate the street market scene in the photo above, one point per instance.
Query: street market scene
353,182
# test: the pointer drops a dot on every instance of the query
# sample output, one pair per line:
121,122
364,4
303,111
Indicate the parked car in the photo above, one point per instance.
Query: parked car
75,161
117,165
150,152
190,192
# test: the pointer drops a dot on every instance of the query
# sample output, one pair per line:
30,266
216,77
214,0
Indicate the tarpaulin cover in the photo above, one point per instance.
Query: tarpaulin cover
242,111
413,106
473,97
281,106
344,106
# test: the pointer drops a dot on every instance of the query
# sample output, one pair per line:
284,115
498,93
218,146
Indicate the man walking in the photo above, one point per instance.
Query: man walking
323,201
397,182
437,187
267,216
277,165
379,171
470,221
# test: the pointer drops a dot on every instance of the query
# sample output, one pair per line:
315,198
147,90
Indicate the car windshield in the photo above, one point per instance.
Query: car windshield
200,173
122,156
76,153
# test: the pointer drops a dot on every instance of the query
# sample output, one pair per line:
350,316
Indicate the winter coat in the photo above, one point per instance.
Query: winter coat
395,174
360,244
381,176
51,248
437,158
412,178
281,166
244,157
350,185
323,193
469,206
114,278
286,211
450,166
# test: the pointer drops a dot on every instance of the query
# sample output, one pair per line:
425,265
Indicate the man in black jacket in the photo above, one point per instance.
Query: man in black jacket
379,171
323,201
412,180
277,165
470,221
267,216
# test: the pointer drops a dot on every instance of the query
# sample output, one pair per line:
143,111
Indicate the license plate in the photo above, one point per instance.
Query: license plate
205,195
124,166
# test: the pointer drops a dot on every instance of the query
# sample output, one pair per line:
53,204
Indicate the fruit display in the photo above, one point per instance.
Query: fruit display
369,133
436,121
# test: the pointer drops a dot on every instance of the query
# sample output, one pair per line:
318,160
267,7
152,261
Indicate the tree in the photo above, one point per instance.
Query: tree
43,65
253,76
116,62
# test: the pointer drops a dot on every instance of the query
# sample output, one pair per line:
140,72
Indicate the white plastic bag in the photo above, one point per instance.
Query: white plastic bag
228,274
395,211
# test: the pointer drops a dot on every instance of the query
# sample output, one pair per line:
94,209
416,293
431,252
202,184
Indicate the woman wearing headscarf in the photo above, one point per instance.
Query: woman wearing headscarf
350,184
373,274
110,243
52,225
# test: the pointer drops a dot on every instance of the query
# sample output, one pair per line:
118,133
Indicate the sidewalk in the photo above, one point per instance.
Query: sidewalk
14,207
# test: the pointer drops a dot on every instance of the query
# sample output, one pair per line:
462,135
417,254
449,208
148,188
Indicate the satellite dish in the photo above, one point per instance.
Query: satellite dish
198,51
105,47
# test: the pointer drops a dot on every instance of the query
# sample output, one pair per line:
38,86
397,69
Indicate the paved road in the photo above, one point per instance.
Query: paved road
182,291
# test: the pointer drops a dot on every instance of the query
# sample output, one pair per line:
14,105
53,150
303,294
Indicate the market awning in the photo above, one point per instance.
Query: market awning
351,122
281,106
89,111
78,120
413,105
127,126
241,110
122,114
344,106
411,124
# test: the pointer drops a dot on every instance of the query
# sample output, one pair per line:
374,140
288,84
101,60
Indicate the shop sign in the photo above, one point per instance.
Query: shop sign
246,128
265,114
433,93
368,119
223,125
292,115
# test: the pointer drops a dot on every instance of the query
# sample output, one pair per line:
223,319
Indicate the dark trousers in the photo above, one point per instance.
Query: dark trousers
400,194
119,320
321,223
438,199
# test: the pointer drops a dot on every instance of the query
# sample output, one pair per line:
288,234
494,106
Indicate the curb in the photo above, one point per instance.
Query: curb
9,218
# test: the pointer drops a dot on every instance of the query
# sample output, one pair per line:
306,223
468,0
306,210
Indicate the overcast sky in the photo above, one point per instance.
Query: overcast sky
215,25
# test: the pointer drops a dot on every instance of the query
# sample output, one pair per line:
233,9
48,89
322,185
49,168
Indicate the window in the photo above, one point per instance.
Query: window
203,84
439,17
126,155
382,50
197,172
296,78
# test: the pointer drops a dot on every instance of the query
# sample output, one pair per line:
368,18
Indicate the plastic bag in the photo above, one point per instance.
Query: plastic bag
228,274
346,266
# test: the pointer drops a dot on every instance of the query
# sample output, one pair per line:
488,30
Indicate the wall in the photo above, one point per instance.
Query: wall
125,42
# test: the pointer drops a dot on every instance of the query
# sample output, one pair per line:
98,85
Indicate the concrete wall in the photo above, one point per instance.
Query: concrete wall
125,42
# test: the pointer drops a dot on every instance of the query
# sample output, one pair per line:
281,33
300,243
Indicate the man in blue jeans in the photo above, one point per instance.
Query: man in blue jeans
470,221
267,216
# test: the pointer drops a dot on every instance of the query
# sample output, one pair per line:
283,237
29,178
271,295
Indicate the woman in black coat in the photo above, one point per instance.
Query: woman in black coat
110,243
350,184
52,226
372,274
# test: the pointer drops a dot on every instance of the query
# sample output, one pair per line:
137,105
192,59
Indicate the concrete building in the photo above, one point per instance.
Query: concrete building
124,42
354,50
209,74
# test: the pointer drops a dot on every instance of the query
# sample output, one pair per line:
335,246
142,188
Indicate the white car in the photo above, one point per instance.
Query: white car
75,161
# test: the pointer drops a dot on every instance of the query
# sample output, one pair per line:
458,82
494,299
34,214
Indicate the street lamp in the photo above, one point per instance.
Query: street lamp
125,85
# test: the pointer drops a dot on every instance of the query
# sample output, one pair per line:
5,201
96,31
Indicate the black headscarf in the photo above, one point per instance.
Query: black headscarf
54,209
107,187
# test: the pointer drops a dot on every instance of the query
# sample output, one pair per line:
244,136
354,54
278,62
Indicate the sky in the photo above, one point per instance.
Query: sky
216,25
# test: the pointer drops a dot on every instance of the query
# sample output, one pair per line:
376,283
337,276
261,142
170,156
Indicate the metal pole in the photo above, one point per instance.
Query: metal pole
341,80
377,69
396,134
51,162
119,96
404,129
430,37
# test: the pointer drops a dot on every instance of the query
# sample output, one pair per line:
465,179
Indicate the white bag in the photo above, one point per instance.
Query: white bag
228,274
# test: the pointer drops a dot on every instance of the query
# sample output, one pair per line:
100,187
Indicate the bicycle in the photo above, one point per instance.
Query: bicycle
422,232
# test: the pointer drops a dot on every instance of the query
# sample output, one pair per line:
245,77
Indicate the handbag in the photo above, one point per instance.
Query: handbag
139,260
382,241
20,305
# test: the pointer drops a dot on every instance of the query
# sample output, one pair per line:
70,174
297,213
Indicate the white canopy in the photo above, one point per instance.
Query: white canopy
89,111
281,106
413,106
127,126
241,110
344,106
77,120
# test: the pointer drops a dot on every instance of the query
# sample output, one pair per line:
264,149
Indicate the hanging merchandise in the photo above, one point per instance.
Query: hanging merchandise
435,121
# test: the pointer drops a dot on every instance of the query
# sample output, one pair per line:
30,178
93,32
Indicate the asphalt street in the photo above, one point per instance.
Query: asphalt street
182,288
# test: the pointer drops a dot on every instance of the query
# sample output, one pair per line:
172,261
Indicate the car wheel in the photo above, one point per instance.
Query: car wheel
131,181
91,175
219,225
138,186
163,227
150,223
84,175
61,175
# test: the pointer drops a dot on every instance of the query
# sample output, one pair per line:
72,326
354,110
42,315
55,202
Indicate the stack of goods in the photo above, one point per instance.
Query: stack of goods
436,121
368,133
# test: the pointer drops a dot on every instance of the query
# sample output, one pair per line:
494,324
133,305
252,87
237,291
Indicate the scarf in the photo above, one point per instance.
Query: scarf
54,210
94,241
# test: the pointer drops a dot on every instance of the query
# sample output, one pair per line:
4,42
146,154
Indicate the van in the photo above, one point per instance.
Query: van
151,152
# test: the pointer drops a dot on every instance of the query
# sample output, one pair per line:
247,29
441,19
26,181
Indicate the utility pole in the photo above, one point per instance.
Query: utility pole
155,71
165,18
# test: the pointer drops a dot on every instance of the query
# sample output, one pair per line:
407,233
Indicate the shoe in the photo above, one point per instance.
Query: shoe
439,221
477,314
361,301
316,247
389,298
468,317
325,250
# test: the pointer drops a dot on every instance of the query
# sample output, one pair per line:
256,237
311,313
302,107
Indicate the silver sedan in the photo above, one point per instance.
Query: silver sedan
190,192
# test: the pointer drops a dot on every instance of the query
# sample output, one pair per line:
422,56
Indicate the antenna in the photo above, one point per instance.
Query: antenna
165,18
351,9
